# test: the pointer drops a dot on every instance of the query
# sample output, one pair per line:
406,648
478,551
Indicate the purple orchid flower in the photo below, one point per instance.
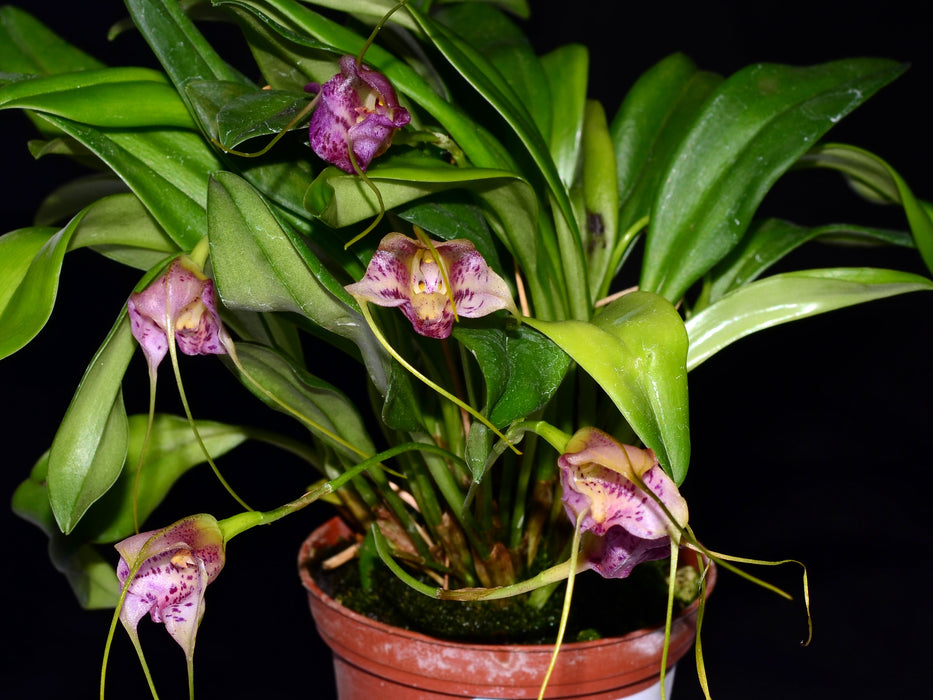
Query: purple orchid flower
358,110
177,564
601,476
404,273
182,301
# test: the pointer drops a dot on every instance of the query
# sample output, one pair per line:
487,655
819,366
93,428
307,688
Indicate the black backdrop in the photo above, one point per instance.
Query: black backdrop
811,441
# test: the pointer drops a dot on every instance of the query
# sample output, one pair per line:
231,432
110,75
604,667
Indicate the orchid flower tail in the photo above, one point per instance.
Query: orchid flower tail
134,637
173,354
669,614
698,645
568,596
369,183
145,447
372,37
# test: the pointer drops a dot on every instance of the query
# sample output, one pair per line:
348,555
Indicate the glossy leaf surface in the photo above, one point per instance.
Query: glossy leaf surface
522,370
750,131
789,297
874,178
636,350
90,445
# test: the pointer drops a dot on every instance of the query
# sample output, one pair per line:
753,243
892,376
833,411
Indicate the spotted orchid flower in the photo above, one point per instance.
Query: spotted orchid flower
176,564
406,273
600,476
358,110
180,301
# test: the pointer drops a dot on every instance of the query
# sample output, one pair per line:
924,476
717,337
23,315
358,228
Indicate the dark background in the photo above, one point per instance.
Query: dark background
811,441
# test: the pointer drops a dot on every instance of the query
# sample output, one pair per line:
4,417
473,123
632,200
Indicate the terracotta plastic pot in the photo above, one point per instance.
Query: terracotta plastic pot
374,661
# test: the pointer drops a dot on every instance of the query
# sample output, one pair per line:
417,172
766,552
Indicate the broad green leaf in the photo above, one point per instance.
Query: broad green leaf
749,132
241,112
521,368
67,200
27,46
500,41
166,169
89,448
77,560
188,57
257,265
600,227
286,60
28,286
474,68
90,576
117,226
636,350
770,240
172,451
260,266
567,68
874,178
112,97
789,297
340,199
371,10
308,399
120,228
649,125
17,250
181,49
489,83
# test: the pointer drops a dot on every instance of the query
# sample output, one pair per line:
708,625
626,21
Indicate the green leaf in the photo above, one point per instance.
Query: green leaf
112,97
649,125
181,49
600,228
750,131
789,297
27,46
257,265
770,240
874,178
172,451
67,200
567,69
340,199
89,448
166,169
521,368
314,402
500,41
636,350
369,10
121,228
18,249
92,579
243,112
29,285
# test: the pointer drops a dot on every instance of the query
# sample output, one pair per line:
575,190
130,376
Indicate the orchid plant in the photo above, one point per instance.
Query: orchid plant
409,190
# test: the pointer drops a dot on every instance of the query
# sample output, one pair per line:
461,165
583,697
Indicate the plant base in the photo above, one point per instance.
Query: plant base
375,660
